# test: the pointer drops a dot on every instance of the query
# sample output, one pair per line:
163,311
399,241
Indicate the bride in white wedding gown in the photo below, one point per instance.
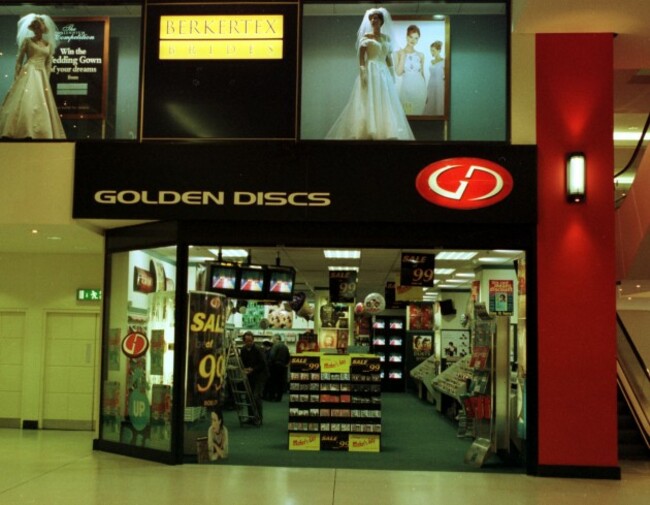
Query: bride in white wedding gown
374,110
29,109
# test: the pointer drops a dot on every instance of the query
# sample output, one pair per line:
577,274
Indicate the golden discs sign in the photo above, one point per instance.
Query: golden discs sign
225,37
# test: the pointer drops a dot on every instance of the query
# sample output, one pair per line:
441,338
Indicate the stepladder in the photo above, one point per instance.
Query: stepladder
240,388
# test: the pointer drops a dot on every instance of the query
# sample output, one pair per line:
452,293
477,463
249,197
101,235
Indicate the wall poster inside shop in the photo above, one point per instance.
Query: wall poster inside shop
80,67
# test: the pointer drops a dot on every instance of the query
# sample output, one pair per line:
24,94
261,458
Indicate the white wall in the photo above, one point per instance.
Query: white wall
38,284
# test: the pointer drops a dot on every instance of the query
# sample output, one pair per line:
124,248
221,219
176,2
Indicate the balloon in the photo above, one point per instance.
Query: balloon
374,303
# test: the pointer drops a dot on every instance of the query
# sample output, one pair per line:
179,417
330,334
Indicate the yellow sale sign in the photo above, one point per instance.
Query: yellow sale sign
304,442
363,443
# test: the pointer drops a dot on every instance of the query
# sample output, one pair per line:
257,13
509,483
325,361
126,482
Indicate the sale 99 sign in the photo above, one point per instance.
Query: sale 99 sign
206,364
417,269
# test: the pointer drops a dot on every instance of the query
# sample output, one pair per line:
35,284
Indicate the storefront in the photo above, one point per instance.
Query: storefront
224,119
153,269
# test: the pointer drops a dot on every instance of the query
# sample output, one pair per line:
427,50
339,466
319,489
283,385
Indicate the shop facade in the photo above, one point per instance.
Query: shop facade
281,182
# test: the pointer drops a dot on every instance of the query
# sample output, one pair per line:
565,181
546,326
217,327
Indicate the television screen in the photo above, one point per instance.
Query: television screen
222,278
281,281
251,280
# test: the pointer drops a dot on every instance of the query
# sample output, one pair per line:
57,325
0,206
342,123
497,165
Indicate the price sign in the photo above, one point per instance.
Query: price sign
343,286
417,269
206,364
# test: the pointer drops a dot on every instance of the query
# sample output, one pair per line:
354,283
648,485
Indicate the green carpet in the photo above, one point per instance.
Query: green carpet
414,437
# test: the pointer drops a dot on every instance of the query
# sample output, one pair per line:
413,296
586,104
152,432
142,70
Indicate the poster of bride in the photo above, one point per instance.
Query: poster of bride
421,58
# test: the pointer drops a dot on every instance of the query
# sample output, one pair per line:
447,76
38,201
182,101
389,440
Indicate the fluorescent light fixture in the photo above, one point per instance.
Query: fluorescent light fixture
342,269
443,271
456,255
632,136
493,259
341,254
457,281
200,259
466,275
230,253
576,174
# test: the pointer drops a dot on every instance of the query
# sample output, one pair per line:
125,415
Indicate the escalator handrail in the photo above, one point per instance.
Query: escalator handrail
633,346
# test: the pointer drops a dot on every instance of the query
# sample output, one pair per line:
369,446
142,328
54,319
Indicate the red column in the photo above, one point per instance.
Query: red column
576,255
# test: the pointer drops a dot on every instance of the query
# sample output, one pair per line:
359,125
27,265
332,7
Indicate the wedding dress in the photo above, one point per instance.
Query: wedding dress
29,109
373,111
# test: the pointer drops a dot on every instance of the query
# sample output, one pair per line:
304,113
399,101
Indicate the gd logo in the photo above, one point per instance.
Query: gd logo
464,183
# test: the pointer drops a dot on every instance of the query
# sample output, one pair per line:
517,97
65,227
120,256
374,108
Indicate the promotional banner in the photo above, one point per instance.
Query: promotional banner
206,359
343,286
501,297
417,269
80,67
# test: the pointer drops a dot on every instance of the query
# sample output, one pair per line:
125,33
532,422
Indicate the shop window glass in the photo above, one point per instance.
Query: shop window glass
138,368
449,71
94,76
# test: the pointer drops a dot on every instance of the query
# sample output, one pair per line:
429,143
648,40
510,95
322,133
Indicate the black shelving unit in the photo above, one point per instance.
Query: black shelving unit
335,407
388,342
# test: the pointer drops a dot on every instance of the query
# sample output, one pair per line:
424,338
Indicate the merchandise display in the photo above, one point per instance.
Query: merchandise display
388,343
334,402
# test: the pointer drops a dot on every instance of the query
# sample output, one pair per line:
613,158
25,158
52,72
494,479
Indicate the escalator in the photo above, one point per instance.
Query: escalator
633,378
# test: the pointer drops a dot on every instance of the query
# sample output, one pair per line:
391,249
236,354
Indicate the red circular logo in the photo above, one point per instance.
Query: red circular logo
464,183
135,345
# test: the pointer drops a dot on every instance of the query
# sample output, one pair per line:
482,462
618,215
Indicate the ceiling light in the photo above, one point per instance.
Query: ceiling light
493,260
341,254
457,281
629,136
466,275
444,271
230,253
54,238
456,255
34,231
342,269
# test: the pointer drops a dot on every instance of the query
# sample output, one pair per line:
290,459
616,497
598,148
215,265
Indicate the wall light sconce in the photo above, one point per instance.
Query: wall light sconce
576,174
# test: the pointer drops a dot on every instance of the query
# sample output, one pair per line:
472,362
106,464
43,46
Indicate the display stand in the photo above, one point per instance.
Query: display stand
478,402
388,343
335,403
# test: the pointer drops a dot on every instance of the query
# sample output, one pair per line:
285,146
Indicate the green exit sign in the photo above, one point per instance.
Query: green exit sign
89,295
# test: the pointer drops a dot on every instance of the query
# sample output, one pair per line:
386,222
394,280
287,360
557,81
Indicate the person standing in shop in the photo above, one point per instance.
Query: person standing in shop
279,361
255,368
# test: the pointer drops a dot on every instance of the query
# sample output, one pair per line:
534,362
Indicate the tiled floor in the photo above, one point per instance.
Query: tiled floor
57,467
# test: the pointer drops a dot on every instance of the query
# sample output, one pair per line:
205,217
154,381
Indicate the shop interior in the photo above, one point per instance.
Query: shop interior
445,391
